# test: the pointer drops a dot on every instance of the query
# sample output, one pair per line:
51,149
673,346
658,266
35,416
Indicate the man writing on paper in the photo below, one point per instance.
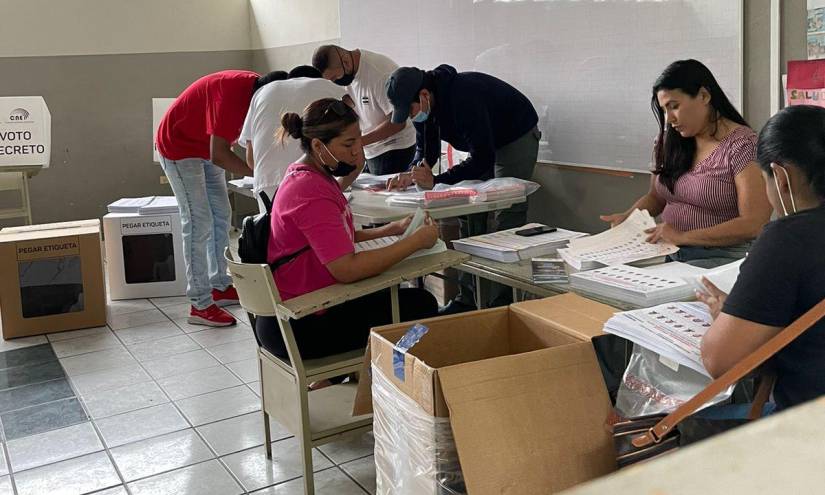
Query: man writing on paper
388,146
477,113
195,145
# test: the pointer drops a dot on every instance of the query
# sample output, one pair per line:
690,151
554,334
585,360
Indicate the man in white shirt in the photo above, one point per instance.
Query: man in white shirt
268,159
389,148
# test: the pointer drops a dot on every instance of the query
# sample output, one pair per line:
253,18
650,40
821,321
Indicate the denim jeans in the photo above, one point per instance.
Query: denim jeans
203,201
710,257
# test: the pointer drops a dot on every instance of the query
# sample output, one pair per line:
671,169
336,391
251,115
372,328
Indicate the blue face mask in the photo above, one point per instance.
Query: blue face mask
422,115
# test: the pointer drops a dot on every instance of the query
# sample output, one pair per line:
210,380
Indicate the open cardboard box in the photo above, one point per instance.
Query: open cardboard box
51,278
522,388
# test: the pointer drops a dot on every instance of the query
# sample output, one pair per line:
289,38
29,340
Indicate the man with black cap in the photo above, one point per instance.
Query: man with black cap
388,146
476,113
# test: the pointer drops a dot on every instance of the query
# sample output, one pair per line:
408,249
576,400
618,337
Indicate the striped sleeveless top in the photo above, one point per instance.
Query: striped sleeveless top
706,195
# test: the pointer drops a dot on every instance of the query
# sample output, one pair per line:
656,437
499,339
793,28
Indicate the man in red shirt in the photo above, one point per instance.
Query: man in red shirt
194,141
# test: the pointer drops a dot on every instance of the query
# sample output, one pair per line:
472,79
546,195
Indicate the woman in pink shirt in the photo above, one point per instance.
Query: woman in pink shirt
706,186
312,243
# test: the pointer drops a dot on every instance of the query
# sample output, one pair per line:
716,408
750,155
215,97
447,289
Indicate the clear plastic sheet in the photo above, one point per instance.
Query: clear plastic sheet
653,385
415,453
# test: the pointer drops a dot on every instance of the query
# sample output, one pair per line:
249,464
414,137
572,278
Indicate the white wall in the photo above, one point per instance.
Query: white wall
35,28
277,23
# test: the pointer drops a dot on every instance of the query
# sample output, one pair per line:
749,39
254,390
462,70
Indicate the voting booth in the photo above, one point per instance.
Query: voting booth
25,148
144,255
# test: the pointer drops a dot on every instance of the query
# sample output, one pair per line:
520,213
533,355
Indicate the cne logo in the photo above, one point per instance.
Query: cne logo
19,115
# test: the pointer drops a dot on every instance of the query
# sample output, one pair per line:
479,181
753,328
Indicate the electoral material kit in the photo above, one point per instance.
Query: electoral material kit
625,243
508,247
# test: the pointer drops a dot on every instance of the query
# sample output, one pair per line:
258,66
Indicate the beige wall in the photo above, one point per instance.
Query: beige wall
34,28
278,23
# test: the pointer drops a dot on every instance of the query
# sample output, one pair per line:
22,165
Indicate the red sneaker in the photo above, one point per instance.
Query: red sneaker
226,297
213,316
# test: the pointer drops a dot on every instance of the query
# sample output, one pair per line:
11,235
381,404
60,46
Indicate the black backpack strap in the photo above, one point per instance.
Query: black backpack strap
286,259
265,199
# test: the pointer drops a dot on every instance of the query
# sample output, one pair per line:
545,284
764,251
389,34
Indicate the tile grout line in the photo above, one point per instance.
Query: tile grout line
8,458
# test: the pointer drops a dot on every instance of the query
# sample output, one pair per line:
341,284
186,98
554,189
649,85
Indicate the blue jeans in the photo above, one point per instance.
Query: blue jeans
710,257
203,201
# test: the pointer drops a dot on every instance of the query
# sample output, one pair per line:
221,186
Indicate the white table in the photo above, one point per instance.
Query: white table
519,276
371,208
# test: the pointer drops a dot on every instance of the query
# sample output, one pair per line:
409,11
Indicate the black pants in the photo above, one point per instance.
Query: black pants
344,327
391,162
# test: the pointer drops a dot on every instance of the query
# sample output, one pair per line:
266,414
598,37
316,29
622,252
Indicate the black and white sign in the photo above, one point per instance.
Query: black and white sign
25,131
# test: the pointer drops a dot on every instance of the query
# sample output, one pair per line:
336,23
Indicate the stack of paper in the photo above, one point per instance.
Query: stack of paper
160,205
418,219
432,199
674,331
643,287
372,182
129,205
626,243
723,277
244,183
507,247
549,271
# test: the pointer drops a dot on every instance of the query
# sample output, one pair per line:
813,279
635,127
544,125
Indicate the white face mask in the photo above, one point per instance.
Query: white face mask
774,167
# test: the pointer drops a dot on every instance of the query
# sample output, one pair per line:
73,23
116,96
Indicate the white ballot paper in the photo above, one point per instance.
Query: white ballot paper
417,221
723,277
625,243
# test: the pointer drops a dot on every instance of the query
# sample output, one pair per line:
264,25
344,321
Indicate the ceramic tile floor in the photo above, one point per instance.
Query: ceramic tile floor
150,405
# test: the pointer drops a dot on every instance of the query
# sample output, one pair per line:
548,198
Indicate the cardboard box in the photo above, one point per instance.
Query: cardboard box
51,278
144,255
521,386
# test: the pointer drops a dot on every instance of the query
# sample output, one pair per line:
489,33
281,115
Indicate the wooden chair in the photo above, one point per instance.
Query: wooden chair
317,417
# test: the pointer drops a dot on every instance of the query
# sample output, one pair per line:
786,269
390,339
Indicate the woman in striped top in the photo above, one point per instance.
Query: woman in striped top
706,186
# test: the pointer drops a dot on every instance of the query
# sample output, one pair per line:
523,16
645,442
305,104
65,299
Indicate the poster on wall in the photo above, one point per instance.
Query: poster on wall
816,29
25,131
159,107
805,83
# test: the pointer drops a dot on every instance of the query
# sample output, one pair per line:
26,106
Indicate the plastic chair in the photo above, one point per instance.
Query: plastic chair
317,417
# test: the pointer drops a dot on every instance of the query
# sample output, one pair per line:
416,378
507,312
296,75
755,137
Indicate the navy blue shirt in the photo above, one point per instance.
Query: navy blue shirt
476,113
782,278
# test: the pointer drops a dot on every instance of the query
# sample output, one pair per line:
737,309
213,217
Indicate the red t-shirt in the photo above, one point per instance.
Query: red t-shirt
214,105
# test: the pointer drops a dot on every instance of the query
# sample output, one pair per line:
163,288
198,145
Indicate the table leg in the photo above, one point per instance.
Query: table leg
396,312
481,297
515,295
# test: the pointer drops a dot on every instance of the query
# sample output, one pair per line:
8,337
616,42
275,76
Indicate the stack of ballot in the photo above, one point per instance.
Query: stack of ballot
372,182
674,331
507,247
129,205
417,221
549,271
643,287
626,243
160,205
432,199
244,182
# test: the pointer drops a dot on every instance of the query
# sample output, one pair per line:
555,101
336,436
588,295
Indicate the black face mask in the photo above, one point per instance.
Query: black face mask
346,79
343,169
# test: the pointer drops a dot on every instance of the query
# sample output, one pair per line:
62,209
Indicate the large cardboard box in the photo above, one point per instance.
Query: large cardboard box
144,255
51,278
521,386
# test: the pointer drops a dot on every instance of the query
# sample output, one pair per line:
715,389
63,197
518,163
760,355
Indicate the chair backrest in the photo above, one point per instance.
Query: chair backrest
255,286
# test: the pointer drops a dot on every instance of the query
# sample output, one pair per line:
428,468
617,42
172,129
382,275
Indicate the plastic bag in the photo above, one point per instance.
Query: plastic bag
503,188
415,453
653,385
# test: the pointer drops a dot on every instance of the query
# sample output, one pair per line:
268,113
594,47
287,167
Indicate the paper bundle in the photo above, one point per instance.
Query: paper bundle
507,247
643,287
418,219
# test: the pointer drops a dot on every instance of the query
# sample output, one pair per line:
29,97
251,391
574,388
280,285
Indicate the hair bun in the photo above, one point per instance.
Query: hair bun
293,124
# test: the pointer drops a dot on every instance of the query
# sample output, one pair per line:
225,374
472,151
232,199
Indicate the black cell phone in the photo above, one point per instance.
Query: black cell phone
535,231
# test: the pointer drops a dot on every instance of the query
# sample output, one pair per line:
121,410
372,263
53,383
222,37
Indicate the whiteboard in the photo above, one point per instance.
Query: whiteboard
587,65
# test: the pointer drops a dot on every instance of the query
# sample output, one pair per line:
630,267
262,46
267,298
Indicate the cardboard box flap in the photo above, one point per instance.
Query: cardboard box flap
531,423
573,314
52,230
48,226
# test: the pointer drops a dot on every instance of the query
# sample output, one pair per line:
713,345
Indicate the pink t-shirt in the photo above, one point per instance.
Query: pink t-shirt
706,195
309,209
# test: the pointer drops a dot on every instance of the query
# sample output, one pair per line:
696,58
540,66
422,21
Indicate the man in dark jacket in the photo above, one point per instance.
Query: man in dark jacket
476,113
